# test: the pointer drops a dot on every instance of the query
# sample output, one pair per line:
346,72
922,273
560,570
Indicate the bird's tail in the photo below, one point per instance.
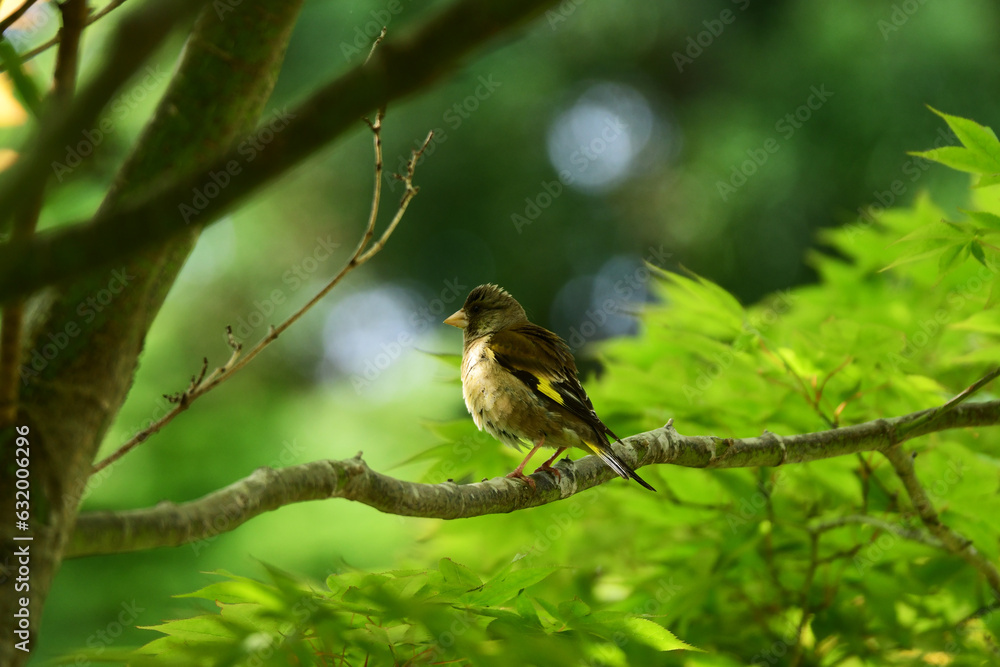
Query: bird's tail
611,459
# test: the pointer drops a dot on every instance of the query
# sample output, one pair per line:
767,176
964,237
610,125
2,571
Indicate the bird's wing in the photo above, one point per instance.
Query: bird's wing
543,362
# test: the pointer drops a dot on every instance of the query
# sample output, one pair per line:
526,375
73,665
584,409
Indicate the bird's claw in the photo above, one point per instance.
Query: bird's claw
548,468
517,474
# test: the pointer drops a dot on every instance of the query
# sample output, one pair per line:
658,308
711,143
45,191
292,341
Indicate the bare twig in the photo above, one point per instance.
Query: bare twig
363,252
15,15
902,462
880,524
812,400
378,40
265,490
804,605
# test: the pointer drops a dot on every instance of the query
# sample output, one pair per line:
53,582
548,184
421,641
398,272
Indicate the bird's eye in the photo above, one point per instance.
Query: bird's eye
474,309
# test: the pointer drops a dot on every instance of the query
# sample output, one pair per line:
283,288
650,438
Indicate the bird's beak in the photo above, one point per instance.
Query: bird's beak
458,319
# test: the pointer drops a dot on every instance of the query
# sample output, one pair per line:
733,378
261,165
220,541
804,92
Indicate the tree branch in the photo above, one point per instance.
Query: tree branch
953,541
201,385
64,86
134,41
399,67
169,524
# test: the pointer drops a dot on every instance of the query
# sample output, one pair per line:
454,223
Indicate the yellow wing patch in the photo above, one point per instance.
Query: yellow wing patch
546,388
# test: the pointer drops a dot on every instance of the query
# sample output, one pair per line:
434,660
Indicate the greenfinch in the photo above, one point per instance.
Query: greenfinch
520,384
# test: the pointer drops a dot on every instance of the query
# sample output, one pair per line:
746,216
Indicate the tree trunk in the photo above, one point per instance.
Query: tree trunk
224,79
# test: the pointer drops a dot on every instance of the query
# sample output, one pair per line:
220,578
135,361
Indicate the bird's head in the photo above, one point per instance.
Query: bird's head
488,308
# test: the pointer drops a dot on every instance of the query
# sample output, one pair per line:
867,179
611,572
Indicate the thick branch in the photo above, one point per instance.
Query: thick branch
169,524
399,67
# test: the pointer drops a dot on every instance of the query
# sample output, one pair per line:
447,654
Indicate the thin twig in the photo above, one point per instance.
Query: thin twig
957,400
804,598
15,15
74,20
237,360
150,218
378,40
880,524
42,48
806,394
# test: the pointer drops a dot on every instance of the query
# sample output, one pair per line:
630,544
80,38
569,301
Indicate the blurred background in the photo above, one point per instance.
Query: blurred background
718,136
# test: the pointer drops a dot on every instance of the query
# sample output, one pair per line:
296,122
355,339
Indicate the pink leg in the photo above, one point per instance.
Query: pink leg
518,472
547,466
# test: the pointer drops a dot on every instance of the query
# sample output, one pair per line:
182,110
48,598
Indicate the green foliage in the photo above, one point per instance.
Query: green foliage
739,562
411,617
802,564
26,87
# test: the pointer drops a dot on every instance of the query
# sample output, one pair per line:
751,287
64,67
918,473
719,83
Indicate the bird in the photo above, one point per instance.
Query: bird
520,383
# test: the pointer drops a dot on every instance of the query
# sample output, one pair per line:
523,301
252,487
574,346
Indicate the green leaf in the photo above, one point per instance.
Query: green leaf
977,138
986,321
984,218
506,585
977,251
24,85
979,154
457,576
907,259
960,159
574,608
655,635
949,256
527,611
